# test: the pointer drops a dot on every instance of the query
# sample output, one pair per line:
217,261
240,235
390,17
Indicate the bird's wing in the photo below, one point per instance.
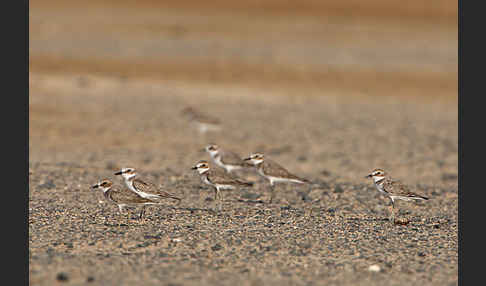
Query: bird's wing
218,176
143,186
231,158
127,196
396,187
148,187
272,168
393,187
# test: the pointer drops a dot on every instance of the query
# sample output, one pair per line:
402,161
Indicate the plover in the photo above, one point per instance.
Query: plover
273,172
226,159
218,179
202,122
143,188
122,197
394,189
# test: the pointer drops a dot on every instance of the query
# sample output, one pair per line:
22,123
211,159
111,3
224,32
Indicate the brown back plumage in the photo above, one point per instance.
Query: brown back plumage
231,158
218,176
148,187
272,168
395,187
125,196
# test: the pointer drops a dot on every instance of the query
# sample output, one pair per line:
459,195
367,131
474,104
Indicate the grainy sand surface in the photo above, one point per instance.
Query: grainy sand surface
329,95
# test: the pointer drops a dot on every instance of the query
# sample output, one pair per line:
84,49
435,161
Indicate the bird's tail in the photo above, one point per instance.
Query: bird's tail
302,180
245,183
419,197
176,198
171,196
307,181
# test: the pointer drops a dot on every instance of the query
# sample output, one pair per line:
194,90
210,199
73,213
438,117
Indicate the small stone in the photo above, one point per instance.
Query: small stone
305,197
250,196
325,173
47,185
448,176
403,221
61,276
302,158
338,189
374,268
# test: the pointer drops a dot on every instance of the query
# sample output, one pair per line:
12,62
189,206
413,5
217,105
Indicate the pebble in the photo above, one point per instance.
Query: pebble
374,268
61,276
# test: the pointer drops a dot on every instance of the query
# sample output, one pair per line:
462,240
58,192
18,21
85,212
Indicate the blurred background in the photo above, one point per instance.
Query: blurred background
376,47
346,85
111,76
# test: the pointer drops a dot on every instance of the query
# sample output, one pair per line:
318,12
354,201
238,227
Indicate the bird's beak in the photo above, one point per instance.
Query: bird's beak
368,176
119,173
247,159
194,168
95,186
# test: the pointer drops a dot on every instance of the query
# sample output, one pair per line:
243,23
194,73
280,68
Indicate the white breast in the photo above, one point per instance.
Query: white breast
140,193
260,171
217,160
380,189
205,180
129,184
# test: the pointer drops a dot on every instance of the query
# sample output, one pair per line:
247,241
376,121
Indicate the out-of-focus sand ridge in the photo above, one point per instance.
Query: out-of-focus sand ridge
381,48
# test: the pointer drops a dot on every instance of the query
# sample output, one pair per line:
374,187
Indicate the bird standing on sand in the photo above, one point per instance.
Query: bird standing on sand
273,172
122,197
393,189
218,179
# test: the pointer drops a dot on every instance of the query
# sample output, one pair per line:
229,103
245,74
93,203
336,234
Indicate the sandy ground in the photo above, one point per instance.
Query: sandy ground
322,94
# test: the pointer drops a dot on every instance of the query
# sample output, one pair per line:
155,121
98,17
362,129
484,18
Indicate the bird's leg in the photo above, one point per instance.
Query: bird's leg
128,217
392,210
142,212
221,201
218,194
272,187
216,191
121,214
